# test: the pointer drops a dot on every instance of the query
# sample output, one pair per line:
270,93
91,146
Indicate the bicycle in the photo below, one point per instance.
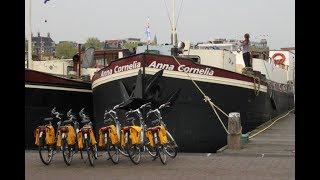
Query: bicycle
109,135
46,138
86,138
171,146
69,138
134,136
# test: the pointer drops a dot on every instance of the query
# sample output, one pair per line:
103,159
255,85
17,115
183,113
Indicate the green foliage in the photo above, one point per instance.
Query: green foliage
130,45
66,50
93,42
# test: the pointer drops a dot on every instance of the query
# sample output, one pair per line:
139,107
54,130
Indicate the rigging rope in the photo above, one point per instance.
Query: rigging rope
179,13
168,13
207,99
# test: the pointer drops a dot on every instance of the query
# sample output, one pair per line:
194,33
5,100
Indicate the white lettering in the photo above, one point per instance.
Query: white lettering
106,73
154,64
127,67
187,69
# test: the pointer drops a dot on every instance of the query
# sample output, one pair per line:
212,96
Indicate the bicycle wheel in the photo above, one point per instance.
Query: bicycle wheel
162,154
67,152
113,152
171,146
133,150
90,152
45,151
81,156
122,150
151,150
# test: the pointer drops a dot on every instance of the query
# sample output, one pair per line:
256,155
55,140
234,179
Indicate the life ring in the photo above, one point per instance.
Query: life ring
279,61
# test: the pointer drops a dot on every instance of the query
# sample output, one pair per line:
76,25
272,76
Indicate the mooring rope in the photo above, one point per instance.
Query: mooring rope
255,78
270,124
207,99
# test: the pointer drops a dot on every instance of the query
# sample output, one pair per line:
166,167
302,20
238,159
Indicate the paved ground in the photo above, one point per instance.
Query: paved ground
265,157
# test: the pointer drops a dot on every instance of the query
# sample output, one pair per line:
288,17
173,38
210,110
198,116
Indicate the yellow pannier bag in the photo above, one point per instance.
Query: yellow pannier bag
101,139
113,134
59,139
71,139
50,139
91,134
36,135
163,135
149,135
93,139
80,142
135,134
122,138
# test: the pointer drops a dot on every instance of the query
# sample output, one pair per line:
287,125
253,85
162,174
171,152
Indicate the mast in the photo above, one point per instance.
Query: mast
174,33
30,63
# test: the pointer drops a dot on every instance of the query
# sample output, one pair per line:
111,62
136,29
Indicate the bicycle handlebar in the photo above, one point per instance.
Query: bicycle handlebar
165,105
138,109
157,110
117,106
112,113
145,105
84,117
57,114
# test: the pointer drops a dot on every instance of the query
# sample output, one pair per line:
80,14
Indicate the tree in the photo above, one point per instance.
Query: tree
93,42
66,50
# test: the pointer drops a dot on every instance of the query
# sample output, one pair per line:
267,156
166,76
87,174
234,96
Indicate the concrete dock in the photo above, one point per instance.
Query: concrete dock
268,155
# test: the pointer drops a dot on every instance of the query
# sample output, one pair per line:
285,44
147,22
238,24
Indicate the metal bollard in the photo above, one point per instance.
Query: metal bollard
235,130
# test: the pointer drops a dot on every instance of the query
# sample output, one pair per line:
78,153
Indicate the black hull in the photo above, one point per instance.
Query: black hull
41,97
192,121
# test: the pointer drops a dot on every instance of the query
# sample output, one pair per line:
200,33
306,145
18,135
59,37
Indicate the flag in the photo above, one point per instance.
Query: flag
148,31
45,1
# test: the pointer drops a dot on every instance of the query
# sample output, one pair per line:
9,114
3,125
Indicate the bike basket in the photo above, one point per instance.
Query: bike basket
135,134
113,134
163,135
50,136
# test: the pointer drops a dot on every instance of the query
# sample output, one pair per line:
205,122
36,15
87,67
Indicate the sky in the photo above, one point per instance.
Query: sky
196,20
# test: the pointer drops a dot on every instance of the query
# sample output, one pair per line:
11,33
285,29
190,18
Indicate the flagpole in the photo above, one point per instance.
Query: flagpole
30,63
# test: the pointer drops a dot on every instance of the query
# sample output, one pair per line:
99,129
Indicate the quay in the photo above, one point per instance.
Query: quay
268,155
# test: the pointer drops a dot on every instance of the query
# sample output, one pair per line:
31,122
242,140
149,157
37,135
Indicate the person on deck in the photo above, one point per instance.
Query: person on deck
245,46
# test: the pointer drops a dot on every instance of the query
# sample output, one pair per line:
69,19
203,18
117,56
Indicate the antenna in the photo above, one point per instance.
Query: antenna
88,58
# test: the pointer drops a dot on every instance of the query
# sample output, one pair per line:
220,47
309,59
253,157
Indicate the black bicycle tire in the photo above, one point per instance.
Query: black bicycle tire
130,146
65,147
171,145
89,151
42,144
